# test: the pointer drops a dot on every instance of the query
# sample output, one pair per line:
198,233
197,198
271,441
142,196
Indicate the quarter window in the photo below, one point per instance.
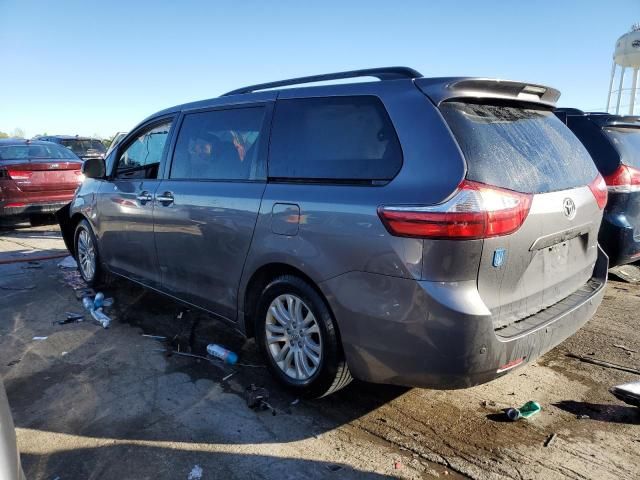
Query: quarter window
141,159
334,139
220,145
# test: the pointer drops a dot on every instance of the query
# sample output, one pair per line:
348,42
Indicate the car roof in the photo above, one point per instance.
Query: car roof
69,137
23,141
604,119
438,88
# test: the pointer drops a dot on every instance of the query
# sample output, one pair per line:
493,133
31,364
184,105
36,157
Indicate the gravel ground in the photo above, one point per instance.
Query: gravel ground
91,403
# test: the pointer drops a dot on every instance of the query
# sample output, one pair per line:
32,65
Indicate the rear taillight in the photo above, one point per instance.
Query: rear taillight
625,179
599,189
475,211
19,174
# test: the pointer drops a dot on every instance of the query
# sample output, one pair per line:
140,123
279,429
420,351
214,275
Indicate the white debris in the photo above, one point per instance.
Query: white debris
40,338
196,473
68,262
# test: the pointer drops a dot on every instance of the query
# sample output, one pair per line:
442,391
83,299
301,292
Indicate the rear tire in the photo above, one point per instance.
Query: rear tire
296,334
88,257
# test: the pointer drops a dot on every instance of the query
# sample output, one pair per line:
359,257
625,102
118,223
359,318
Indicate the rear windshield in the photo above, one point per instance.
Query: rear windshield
525,150
84,147
24,152
627,142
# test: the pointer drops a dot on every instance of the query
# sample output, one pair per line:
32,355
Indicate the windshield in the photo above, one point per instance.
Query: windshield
627,142
525,150
25,152
84,147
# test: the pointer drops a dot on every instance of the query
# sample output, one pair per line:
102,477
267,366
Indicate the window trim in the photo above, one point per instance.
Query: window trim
351,182
133,136
264,138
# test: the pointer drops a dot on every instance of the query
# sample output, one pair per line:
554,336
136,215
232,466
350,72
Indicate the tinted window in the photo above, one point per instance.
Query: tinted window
627,142
14,152
526,150
84,147
219,145
141,159
336,138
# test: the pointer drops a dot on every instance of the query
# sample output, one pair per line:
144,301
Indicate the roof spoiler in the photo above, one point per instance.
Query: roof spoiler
456,88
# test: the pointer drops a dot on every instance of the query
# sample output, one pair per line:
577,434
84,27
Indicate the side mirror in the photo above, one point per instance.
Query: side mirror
94,168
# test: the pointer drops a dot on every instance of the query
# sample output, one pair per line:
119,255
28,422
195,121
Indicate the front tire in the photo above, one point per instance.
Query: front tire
296,334
87,256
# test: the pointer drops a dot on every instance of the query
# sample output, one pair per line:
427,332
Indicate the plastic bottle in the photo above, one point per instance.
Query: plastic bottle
87,303
101,318
227,356
98,301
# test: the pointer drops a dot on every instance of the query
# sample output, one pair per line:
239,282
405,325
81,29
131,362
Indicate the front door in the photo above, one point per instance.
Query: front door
207,207
126,204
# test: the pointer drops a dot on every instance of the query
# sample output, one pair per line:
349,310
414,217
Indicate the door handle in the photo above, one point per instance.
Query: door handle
165,199
144,197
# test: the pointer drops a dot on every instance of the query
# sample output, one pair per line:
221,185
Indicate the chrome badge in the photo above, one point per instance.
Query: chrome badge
498,257
569,208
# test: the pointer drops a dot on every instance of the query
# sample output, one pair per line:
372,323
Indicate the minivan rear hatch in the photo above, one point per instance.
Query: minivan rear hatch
510,139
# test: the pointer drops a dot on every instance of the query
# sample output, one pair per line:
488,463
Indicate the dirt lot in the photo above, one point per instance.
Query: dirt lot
91,403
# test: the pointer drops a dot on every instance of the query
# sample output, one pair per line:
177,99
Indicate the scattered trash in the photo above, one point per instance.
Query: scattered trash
32,265
334,468
257,398
218,351
629,273
64,353
550,439
68,262
39,338
488,403
602,363
397,465
295,402
71,318
583,417
14,362
528,410
155,337
626,349
195,473
227,377
628,393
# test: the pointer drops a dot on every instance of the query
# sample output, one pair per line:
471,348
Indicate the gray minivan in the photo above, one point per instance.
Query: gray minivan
432,232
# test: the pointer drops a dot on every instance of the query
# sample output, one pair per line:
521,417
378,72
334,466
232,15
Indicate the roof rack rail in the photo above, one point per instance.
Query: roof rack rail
384,73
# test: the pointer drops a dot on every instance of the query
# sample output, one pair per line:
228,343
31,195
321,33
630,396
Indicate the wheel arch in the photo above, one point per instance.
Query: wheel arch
259,279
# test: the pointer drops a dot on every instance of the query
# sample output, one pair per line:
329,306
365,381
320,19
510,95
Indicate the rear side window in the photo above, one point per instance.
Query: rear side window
220,145
331,139
84,147
525,150
627,143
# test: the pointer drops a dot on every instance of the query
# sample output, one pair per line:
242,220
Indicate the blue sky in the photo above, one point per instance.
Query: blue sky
85,67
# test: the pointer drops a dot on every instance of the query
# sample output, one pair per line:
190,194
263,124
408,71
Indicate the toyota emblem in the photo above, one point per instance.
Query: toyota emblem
569,208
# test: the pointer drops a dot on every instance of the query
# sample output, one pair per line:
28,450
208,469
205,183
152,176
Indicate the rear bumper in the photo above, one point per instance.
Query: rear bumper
440,335
620,239
31,209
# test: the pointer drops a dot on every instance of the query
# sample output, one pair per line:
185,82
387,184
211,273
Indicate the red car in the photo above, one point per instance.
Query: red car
36,178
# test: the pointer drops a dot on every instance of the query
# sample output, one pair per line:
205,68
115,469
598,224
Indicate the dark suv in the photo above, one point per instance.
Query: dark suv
83,147
433,232
614,144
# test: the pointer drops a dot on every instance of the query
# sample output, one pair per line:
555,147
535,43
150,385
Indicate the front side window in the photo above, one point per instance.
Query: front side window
334,139
219,145
141,159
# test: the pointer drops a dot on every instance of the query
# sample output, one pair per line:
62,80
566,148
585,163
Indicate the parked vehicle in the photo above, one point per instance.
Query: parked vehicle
83,147
36,178
614,144
10,467
433,232
116,139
